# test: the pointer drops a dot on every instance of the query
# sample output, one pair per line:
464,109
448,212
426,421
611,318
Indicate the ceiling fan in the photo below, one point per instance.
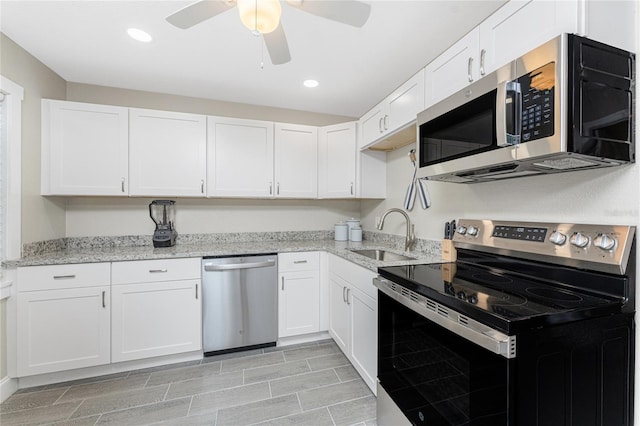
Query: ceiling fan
262,17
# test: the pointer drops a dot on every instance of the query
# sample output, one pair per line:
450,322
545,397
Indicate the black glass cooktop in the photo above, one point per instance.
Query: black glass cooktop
512,295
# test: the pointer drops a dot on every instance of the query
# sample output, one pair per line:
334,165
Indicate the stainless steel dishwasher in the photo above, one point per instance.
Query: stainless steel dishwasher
240,303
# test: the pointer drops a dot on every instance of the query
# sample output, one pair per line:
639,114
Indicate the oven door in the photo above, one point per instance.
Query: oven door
436,377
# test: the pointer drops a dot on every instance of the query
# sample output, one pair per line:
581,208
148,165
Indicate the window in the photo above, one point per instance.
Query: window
10,157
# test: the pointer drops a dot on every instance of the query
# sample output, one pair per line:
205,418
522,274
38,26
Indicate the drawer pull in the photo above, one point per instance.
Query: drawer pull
282,283
155,271
104,305
196,291
64,277
299,261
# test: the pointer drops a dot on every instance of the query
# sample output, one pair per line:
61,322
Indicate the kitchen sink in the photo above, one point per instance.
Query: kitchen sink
383,255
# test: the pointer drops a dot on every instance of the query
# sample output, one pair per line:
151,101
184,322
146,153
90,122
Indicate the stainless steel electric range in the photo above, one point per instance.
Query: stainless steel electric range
533,324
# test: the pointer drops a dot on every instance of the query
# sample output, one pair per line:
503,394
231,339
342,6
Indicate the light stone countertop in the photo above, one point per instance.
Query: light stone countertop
427,252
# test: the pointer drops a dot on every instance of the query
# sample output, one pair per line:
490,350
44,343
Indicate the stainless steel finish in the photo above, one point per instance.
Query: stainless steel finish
473,331
546,155
483,54
604,242
104,303
299,261
382,255
157,271
613,261
473,231
557,238
470,69
239,305
410,238
63,277
387,412
579,240
212,265
461,230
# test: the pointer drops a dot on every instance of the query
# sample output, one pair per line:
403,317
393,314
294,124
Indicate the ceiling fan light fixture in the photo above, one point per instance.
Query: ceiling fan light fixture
262,16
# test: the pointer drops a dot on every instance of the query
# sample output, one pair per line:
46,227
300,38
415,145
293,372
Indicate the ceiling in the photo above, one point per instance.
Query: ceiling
86,42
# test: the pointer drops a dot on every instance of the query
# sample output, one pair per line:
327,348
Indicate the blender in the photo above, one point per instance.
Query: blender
162,214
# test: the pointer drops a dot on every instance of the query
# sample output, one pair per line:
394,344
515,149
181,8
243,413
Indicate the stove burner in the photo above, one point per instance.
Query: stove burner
505,299
554,294
492,278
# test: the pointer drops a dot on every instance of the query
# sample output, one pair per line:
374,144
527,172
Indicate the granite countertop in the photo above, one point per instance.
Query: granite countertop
426,252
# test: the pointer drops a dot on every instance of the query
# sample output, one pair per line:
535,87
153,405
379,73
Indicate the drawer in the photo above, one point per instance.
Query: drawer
53,277
145,271
303,261
358,276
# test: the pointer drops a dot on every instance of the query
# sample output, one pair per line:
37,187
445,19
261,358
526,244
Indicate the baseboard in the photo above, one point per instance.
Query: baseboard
8,386
305,338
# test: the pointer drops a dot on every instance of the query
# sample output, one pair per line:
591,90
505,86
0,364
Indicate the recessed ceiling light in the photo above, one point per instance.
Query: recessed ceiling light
139,35
310,83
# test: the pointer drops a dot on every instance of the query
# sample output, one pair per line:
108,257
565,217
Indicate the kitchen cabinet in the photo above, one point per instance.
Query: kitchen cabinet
239,158
337,161
398,111
167,153
156,308
296,161
85,149
353,316
299,293
63,318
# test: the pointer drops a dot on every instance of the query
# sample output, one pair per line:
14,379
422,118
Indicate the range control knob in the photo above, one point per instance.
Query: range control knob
558,238
472,230
579,240
604,242
461,230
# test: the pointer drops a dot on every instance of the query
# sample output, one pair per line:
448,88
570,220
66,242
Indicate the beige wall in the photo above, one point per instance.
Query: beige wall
42,218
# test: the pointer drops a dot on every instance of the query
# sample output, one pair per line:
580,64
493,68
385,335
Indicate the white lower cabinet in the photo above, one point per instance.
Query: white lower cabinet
158,315
353,318
298,294
63,318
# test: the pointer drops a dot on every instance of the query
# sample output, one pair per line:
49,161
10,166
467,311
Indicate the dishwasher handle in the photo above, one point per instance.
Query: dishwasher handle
208,267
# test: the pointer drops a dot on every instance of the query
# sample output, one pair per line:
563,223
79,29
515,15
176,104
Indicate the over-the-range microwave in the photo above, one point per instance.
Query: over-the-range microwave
566,105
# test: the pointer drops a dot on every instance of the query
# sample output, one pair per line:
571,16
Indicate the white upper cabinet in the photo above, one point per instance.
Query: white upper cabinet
337,161
396,112
296,161
452,70
167,153
239,158
84,149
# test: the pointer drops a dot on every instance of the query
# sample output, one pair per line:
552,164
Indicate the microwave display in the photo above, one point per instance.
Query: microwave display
537,89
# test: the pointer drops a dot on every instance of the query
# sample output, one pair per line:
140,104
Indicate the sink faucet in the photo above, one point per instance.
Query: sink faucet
410,239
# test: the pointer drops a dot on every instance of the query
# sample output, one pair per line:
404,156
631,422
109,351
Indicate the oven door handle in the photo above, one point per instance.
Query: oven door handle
467,328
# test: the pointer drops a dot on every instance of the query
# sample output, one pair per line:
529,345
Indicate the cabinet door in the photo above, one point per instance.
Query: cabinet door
239,158
63,329
372,124
405,103
339,313
167,153
85,149
154,319
453,70
296,161
502,38
337,161
364,336
299,303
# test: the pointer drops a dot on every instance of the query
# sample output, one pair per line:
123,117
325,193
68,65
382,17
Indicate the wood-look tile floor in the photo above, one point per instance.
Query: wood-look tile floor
308,384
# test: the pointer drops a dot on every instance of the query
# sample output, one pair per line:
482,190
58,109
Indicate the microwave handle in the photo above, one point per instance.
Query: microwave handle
508,113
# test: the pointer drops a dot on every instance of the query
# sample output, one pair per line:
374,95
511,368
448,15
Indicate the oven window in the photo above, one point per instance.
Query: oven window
436,377
468,129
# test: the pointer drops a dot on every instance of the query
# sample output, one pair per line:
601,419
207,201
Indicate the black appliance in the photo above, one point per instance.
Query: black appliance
532,325
162,214
567,105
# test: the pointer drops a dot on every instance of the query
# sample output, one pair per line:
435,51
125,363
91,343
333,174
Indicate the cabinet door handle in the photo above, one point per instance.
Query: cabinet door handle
64,277
380,125
299,261
104,304
278,188
348,291
202,186
122,184
156,271
482,55
470,69
385,121
282,283
351,190
344,299
196,291
270,188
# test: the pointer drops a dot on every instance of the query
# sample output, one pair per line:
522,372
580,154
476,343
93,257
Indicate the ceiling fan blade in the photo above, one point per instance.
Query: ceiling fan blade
199,11
277,46
350,12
